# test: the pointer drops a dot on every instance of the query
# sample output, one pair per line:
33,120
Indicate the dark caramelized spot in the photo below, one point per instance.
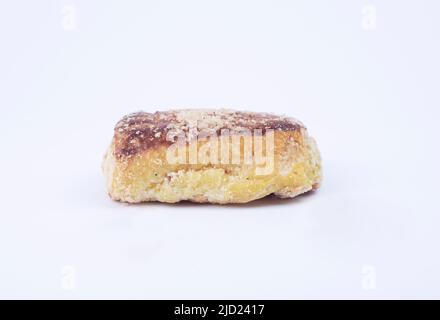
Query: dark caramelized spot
140,131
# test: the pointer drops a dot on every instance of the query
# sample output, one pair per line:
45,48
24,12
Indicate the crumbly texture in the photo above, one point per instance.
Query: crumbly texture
137,169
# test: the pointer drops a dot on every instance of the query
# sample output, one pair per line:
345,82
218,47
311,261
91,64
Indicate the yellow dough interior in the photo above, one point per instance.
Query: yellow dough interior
148,176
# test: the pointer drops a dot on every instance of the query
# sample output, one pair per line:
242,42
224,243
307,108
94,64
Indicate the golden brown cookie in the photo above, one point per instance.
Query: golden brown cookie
216,156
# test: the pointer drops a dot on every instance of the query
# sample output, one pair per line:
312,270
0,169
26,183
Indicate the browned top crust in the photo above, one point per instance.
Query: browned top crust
139,131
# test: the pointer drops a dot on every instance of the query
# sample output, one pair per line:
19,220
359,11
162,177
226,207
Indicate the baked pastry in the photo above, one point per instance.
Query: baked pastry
215,156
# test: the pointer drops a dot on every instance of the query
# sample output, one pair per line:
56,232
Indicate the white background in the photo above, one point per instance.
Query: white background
369,94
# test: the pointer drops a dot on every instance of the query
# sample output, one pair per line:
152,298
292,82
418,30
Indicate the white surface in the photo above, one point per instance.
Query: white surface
369,97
